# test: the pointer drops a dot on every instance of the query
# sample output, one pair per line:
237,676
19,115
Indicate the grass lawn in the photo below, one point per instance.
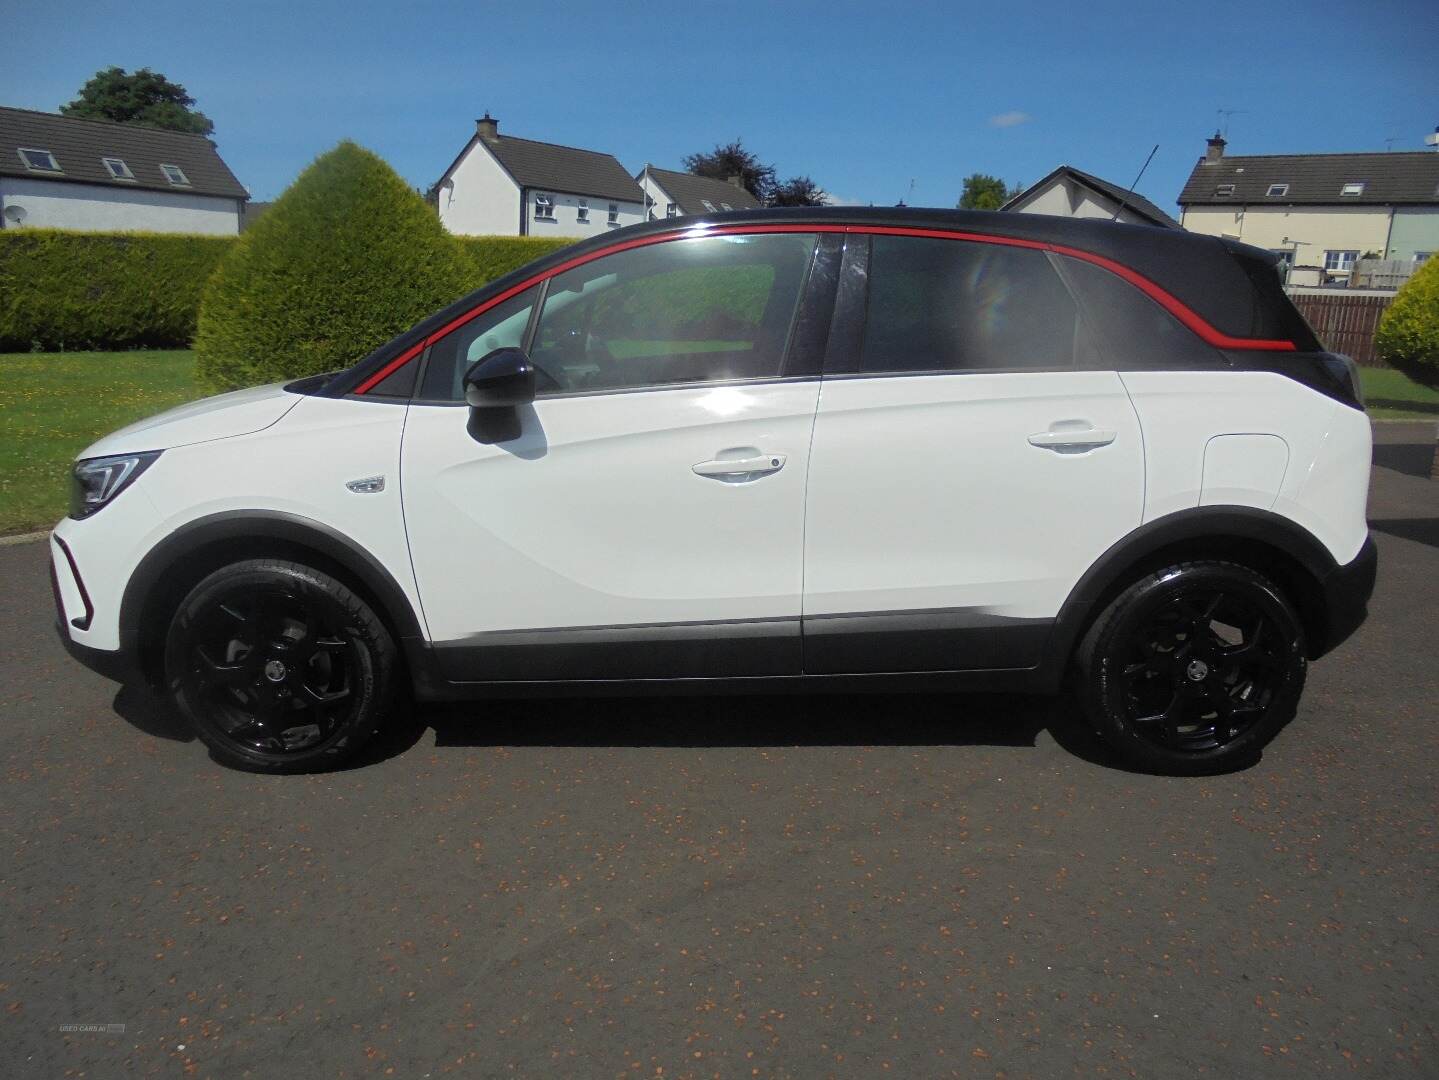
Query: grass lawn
1390,395
53,405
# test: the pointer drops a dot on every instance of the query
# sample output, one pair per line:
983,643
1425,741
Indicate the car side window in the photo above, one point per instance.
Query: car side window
1134,332
955,305
704,309
503,326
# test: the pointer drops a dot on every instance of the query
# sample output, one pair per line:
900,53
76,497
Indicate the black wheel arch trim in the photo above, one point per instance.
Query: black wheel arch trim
1217,523
250,525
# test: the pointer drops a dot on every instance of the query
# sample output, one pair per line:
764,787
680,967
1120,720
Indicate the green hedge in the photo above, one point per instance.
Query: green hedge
76,290
1408,335
490,257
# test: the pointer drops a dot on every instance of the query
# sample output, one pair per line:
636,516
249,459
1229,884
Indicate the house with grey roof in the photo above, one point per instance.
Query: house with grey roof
679,194
1325,211
59,172
1071,192
501,185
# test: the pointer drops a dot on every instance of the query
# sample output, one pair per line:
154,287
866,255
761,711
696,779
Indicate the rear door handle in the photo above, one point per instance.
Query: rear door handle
1062,440
741,468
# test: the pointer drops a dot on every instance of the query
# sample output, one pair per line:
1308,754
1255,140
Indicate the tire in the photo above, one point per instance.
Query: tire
279,667
1192,670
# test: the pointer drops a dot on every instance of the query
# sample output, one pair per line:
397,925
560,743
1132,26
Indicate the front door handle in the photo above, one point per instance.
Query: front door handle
1068,440
745,468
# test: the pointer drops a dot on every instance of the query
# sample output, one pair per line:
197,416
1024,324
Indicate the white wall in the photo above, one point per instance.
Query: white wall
479,198
1064,198
567,221
1317,228
51,204
659,196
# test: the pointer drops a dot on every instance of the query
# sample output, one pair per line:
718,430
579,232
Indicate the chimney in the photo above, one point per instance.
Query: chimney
487,127
1214,148
737,180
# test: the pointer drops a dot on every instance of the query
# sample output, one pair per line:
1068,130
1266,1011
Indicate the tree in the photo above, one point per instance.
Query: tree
798,191
733,159
983,192
146,98
345,259
1408,335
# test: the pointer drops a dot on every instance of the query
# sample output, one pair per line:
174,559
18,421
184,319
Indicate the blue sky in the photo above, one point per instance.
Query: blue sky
862,97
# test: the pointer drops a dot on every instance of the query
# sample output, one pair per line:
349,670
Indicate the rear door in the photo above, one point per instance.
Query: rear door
971,460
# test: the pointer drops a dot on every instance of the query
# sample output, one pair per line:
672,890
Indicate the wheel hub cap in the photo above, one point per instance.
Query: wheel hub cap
1197,670
275,671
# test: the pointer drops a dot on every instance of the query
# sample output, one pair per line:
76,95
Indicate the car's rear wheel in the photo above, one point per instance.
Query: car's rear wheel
279,667
1193,669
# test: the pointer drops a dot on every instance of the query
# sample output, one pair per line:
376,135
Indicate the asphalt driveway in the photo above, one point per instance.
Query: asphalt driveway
868,886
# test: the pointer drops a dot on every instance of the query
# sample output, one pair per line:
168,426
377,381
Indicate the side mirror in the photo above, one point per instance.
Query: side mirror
502,379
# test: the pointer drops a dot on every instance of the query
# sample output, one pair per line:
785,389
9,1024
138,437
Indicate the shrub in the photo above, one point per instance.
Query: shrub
348,257
83,290
1408,335
491,257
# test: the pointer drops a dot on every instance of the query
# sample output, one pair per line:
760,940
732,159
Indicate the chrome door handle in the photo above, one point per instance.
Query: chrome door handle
740,468
1062,440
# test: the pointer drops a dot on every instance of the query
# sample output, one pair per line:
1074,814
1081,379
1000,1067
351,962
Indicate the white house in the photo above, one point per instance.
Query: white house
1068,192
1325,211
677,194
57,172
503,186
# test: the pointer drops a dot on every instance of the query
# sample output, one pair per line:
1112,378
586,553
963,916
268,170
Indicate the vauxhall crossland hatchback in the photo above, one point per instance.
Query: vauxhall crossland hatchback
831,449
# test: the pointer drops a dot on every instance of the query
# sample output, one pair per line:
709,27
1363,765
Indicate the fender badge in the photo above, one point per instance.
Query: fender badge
368,486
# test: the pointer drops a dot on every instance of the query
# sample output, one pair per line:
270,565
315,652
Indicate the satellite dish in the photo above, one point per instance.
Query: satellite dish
15,214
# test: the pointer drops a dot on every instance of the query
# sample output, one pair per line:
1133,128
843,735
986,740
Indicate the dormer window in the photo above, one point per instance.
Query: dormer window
175,175
1352,189
1223,191
39,160
117,168
1277,191
708,205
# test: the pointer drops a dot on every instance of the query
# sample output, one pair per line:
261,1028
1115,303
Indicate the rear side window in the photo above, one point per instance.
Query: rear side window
953,305
1134,333
699,310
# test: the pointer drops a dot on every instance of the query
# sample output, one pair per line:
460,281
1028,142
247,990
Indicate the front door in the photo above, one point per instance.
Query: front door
648,520
971,460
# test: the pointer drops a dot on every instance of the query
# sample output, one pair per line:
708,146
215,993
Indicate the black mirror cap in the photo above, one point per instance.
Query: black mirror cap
501,379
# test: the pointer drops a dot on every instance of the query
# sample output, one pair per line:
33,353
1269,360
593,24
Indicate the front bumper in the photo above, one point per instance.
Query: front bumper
1346,595
113,664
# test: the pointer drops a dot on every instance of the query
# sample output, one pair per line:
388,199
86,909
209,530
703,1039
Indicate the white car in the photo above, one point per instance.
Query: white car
830,449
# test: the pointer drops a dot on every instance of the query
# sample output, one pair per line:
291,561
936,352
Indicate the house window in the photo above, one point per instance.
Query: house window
544,207
726,206
1352,189
582,215
175,175
117,168
708,205
614,218
1421,256
1340,262
39,160
1223,191
1277,191
672,209
1286,259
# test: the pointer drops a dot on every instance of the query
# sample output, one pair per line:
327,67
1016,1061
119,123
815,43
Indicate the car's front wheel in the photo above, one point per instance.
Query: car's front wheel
1194,668
278,666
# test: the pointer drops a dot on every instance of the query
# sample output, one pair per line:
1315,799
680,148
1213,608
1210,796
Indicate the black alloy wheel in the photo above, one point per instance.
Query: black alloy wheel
1194,669
278,666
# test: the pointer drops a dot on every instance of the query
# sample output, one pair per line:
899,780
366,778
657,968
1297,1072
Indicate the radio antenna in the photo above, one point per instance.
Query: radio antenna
1134,185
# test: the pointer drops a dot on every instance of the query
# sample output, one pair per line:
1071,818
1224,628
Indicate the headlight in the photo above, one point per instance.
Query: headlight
96,481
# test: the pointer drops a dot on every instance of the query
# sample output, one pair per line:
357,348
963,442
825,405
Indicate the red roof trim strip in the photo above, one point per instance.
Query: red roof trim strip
1175,307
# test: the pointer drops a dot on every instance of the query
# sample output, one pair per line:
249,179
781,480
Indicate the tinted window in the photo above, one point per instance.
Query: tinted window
703,310
501,327
1134,332
950,305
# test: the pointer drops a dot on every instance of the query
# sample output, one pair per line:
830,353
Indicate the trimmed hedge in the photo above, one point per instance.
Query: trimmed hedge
87,290
491,257
348,257
1408,334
